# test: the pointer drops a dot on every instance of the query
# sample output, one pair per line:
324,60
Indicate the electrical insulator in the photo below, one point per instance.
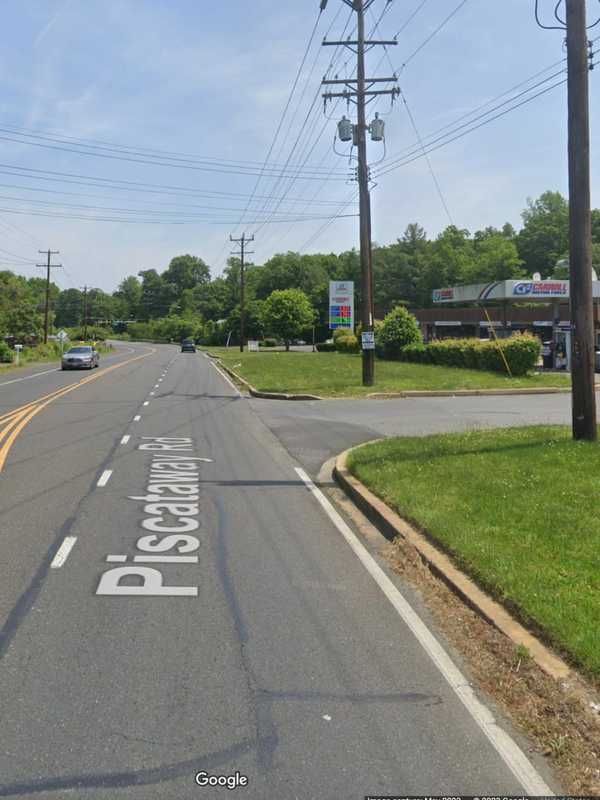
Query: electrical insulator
377,128
355,135
345,130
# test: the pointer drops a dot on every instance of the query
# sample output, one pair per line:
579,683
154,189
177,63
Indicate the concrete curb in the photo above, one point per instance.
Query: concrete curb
392,525
264,395
394,395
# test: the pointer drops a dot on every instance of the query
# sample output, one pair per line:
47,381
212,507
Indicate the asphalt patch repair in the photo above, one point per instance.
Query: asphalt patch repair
555,715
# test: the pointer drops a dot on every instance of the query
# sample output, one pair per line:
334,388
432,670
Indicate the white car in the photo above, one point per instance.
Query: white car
80,357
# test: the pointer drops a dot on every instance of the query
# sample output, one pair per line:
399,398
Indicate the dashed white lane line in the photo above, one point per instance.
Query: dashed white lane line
137,418
63,552
226,378
125,439
147,402
152,394
512,755
105,477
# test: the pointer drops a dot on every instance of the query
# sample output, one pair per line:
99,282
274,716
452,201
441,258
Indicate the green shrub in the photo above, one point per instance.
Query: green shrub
522,353
6,354
348,344
398,330
341,333
326,347
268,343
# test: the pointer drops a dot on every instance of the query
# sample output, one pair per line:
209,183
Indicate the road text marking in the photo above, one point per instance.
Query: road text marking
63,552
125,439
105,477
512,755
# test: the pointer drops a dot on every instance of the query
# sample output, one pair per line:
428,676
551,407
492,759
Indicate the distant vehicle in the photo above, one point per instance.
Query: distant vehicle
188,346
299,342
82,357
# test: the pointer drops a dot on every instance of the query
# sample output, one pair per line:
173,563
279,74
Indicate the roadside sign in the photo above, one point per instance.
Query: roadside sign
62,336
368,340
341,304
253,346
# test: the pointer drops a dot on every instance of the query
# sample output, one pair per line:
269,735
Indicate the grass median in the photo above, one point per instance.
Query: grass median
519,510
340,375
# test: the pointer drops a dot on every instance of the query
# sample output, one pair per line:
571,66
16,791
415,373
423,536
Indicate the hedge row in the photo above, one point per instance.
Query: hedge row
521,352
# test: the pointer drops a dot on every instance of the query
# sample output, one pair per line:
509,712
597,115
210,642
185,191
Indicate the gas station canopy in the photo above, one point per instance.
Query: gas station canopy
508,291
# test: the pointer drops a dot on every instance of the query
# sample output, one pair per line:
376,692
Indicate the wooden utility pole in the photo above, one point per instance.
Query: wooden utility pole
362,94
48,266
580,247
242,256
85,312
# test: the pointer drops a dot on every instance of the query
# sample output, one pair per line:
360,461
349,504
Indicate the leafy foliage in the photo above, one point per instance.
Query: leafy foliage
521,352
287,314
398,330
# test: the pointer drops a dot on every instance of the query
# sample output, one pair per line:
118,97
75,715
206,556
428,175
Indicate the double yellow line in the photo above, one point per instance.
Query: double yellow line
14,421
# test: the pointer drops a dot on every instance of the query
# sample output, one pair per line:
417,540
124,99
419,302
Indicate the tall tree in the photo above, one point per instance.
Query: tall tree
544,238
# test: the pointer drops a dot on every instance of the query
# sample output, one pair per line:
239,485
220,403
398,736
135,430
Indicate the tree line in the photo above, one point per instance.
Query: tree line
184,300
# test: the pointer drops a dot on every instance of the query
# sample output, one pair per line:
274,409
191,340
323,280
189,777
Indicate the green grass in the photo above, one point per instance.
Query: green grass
520,511
339,375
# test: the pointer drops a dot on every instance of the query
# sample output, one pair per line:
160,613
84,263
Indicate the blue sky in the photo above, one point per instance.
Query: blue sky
209,81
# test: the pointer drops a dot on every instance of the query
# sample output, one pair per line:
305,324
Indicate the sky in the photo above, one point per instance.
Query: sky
184,99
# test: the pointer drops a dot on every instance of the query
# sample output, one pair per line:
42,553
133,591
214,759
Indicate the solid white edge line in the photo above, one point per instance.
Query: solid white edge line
512,755
226,378
125,439
29,377
105,477
63,552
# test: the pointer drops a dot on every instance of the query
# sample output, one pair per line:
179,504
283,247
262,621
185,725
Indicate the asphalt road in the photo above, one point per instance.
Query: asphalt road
263,646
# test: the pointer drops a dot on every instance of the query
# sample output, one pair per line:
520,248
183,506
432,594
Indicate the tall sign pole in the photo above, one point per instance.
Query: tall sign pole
582,320
360,92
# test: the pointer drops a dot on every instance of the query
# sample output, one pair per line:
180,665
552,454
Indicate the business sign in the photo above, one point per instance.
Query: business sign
341,304
541,289
253,346
443,295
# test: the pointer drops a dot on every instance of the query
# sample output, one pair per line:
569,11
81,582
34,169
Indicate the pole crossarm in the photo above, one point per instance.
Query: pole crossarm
354,43
352,95
349,81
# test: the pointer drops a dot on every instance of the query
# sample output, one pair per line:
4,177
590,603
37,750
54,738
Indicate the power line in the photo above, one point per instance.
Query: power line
432,35
470,130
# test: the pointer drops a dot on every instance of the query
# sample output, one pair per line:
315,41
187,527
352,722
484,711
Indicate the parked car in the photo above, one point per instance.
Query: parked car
188,346
80,357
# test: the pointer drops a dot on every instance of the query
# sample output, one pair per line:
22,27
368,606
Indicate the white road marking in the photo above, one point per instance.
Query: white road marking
105,477
63,552
226,378
137,418
152,394
116,559
147,403
512,755
125,439
29,377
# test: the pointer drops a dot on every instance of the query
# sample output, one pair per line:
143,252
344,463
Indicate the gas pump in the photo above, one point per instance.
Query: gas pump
562,349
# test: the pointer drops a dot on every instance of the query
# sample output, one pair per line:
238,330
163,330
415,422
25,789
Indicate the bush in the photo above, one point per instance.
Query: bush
268,343
341,333
6,354
326,347
348,344
522,353
398,330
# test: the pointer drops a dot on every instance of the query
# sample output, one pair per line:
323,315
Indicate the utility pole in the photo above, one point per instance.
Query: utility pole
580,247
85,312
48,266
242,241
360,93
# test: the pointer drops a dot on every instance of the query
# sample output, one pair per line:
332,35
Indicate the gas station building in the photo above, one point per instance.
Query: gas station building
513,306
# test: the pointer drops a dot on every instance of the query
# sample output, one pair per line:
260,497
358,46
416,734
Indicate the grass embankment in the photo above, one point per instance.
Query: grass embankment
48,354
340,375
520,511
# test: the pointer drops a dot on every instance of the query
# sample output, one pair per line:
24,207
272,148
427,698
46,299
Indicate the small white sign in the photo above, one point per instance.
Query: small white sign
368,340
62,336
253,346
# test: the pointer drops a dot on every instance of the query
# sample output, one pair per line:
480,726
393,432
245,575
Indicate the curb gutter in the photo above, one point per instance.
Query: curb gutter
392,525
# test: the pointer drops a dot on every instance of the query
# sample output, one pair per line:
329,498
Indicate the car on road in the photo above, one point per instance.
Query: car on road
80,357
188,346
